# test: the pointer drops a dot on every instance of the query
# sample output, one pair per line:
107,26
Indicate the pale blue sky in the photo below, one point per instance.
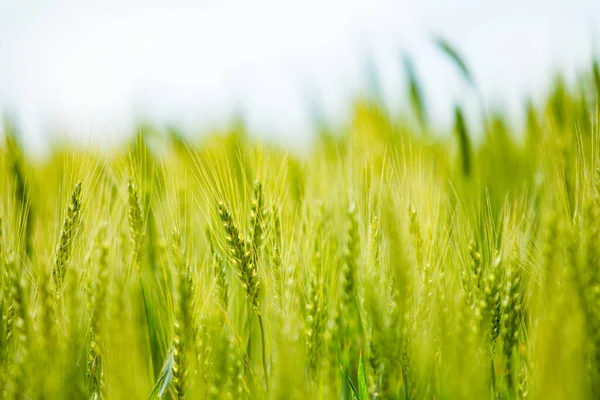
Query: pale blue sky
91,67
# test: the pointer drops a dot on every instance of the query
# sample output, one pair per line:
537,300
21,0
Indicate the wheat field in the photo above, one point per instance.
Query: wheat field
388,261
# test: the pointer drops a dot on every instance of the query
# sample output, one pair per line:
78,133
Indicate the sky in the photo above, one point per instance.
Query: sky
89,70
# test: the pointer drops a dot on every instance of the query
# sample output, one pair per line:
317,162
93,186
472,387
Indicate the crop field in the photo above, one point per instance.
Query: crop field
389,261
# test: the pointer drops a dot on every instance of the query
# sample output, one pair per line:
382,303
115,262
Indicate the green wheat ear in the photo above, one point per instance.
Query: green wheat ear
452,53
96,355
67,236
218,267
415,93
257,217
136,222
460,129
20,330
316,320
241,258
16,163
511,315
183,331
596,74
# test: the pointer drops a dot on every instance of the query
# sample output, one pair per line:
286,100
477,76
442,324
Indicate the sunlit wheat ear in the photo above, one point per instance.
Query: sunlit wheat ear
21,329
185,287
235,370
244,261
48,310
351,253
416,235
523,388
257,217
346,322
374,299
471,277
67,236
136,222
20,317
95,372
183,329
207,351
316,320
179,367
220,273
550,250
375,244
582,249
493,300
511,313
241,258
476,258
276,257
